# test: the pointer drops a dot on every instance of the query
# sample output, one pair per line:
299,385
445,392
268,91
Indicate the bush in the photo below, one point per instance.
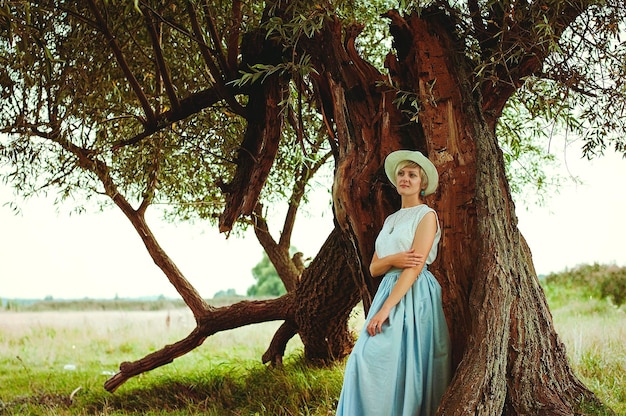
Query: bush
588,281
614,287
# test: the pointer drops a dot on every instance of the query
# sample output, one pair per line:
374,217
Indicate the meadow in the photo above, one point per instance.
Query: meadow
55,362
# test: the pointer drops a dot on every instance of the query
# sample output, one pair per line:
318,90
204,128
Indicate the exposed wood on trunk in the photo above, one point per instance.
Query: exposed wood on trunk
256,155
365,131
262,138
422,66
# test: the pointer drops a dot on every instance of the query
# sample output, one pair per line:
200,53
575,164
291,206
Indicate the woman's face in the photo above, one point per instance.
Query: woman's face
408,181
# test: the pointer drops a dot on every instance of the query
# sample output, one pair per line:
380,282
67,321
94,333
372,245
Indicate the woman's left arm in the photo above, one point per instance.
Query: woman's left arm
422,243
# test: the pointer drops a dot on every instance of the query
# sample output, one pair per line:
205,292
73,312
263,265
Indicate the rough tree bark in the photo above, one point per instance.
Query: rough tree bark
324,294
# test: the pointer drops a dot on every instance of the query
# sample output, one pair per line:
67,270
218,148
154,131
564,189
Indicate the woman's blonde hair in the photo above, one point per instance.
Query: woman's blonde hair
409,163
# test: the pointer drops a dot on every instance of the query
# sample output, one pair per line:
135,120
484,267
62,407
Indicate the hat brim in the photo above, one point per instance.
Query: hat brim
392,160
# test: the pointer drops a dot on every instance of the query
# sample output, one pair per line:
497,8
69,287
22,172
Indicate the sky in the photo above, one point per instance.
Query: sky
45,252
99,255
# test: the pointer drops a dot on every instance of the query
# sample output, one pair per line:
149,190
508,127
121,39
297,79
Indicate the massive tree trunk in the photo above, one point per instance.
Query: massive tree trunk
507,356
512,361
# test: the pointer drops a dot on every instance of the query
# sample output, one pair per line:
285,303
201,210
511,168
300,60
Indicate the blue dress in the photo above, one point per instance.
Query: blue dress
405,369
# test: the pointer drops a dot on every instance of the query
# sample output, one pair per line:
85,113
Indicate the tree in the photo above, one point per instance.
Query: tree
268,282
220,108
225,293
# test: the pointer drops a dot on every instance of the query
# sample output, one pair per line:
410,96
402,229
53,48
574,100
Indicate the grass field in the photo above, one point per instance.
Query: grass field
55,363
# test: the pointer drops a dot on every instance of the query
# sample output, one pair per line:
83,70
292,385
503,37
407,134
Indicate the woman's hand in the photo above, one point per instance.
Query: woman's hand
408,259
375,325
401,260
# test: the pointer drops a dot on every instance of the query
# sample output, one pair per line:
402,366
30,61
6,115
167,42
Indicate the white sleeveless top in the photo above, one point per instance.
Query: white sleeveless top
398,232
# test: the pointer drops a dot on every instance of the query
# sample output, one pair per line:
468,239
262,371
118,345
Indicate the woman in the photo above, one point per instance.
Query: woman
400,365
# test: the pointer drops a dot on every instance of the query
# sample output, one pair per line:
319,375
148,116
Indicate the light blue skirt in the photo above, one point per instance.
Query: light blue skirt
405,369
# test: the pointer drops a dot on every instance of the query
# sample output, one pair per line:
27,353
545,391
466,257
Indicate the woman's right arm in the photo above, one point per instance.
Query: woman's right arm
401,260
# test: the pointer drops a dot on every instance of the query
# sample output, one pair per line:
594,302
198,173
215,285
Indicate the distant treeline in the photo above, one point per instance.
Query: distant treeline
87,304
583,282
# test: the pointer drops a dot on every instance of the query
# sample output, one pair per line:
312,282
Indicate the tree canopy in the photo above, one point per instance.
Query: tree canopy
176,82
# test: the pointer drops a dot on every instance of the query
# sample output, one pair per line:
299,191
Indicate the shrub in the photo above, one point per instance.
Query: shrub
614,287
588,281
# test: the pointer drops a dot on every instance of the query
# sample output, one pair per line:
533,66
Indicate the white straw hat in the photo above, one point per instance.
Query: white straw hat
392,160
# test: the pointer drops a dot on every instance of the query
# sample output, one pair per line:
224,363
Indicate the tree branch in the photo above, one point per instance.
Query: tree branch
276,351
277,254
208,60
515,40
160,60
257,152
210,322
297,193
215,38
233,39
188,106
119,56
153,180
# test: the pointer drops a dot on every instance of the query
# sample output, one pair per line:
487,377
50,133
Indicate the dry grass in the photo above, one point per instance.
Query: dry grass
60,338
596,346
45,356
57,362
